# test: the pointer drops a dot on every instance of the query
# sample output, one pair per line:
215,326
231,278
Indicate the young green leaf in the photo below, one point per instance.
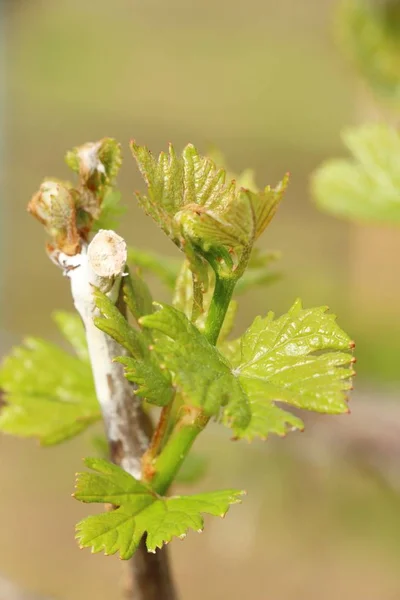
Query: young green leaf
366,187
116,326
137,295
140,511
142,367
299,359
191,201
200,372
49,393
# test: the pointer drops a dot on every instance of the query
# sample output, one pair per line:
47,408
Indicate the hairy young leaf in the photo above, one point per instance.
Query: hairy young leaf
142,367
189,198
49,393
140,511
366,187
97,164
55,207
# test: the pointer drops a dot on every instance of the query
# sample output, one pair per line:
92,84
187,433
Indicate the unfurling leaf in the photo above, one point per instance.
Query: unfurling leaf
367,186
97,164
140,511
54,206
300,359
189,198
49,393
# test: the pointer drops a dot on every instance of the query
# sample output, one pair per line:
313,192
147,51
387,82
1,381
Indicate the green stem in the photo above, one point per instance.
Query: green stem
219,305
193,420
177,447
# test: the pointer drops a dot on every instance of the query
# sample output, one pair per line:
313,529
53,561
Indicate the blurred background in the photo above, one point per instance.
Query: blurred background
264,82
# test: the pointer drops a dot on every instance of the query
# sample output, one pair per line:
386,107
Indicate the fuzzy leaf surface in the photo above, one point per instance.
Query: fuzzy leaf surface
190,199
140,511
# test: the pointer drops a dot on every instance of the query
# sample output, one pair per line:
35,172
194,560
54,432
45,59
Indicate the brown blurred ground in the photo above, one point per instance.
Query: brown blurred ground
263,81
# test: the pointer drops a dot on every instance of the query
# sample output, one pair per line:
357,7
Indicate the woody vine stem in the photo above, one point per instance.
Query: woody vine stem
101,265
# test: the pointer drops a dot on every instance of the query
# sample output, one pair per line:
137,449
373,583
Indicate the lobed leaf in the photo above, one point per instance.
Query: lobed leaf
301,359
200,372
142,367
140,511
116,326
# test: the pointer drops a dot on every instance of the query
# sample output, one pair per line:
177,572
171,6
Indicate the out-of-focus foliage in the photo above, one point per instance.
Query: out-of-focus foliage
367,186
369,31
49,393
